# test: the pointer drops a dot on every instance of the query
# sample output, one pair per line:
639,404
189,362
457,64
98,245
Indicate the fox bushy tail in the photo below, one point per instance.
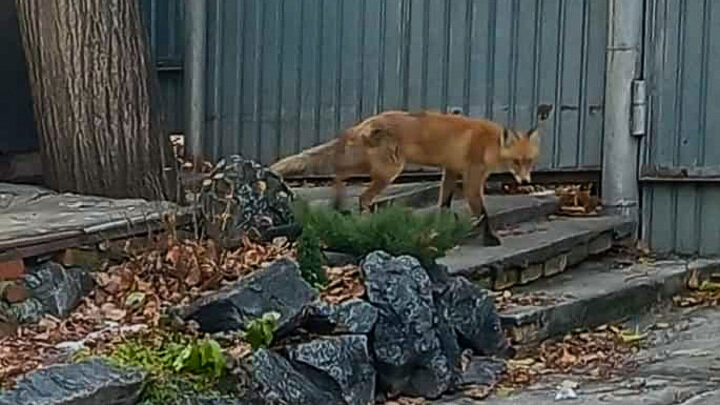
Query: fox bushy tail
316,160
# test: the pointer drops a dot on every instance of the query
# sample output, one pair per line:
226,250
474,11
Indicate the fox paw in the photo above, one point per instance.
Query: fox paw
491,239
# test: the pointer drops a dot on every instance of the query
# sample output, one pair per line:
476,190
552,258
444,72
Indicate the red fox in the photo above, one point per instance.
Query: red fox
465,147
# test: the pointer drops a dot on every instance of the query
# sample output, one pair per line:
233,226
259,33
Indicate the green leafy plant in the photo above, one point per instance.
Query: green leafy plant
204,357
396,230
310,257
260,332
175,366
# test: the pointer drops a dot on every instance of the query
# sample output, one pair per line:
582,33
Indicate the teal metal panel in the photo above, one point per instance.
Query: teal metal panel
164,20
682,55
17,133
284,75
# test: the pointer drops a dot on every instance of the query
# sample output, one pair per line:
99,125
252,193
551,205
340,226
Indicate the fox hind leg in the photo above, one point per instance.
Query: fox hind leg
339,185
447,189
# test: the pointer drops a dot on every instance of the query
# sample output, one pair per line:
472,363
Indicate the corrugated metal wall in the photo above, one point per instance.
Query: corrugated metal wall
17,132
165,19
683,69
284,75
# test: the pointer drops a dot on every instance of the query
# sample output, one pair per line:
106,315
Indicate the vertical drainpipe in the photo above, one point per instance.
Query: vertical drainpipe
620,194
194,76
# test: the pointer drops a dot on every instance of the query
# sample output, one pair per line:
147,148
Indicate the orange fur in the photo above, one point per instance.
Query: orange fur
381,146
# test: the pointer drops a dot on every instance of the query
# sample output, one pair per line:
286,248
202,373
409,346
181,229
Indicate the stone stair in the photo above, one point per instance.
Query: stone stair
535,243
561,265
564,259
598,292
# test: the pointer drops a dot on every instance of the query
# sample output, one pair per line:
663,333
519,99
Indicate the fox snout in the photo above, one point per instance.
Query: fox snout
522,180
522,177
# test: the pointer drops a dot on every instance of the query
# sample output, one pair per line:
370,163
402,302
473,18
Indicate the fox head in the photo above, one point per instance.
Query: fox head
520,152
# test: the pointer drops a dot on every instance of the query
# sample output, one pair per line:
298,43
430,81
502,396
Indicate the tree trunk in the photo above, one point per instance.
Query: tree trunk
95,99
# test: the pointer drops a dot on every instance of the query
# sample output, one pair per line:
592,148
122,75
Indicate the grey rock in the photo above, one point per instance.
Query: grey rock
86,383
28,311
54,290
415,350
353,316
278,288
276,381
338,364
472,314
338,259
482,371
257,199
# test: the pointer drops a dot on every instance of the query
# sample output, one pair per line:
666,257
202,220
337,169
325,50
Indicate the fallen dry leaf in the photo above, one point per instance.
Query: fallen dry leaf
597,354
576,200
477,392
112,312
506,300
344,283
407,401
151,277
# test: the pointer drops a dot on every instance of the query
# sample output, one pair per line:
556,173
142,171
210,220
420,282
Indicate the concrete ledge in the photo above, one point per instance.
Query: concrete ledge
507,210
595,294
504,210
543,243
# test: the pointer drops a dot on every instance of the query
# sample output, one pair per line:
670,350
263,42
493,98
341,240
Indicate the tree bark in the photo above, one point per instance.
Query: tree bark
95,99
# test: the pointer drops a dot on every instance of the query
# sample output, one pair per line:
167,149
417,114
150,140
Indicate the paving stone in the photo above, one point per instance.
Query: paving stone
600,244
556,265
531,273
537,242
595,294
577,255
505,279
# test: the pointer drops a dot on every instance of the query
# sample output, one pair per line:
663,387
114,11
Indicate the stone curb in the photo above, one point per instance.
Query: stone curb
614,298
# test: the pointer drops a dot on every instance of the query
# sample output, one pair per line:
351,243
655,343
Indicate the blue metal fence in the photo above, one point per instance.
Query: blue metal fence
283,75
681,164
164,20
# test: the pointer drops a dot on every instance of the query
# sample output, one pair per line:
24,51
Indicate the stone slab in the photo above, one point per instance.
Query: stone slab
596,293
536,242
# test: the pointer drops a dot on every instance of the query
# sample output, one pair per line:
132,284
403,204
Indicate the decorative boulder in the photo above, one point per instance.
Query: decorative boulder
472,314
89,382
54,290
341,365
277,288
415,351
276,381
354,316
257,199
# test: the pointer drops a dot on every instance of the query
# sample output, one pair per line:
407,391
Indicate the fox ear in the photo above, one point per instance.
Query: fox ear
534,136
508,137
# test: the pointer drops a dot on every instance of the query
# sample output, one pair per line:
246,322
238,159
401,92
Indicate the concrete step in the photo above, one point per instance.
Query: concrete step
533,250
509,210
504,210
325,194
597,293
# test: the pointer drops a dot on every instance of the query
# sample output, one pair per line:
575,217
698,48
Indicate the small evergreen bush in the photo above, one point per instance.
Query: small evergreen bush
395,230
